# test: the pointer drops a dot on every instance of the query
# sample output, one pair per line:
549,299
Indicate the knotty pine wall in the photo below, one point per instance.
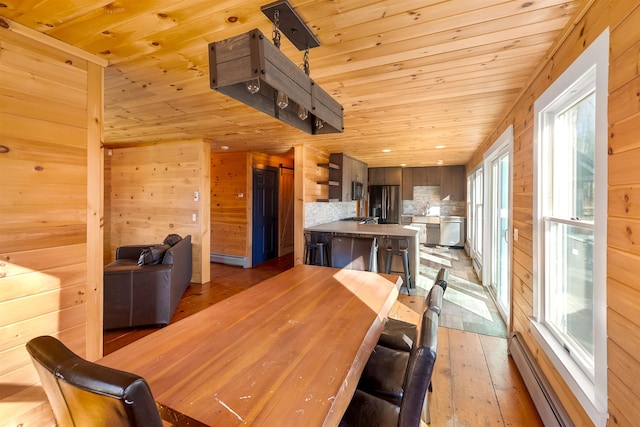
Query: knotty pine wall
231,175
230,212
150,194
623,258
50,210
307,188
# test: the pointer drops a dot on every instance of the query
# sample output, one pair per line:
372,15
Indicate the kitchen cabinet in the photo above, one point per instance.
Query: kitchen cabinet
376,176
348,170
385,176
393,176
433,176
407,183
453,183
420,176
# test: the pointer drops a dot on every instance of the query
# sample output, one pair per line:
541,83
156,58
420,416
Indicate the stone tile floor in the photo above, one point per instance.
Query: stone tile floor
467,305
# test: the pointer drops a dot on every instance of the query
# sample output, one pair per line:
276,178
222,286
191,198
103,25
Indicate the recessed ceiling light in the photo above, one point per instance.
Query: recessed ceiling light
386,150
224,147
440,162
439,146
403,164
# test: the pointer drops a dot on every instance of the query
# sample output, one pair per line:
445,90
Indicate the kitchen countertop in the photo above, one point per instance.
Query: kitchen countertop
380,230
365,229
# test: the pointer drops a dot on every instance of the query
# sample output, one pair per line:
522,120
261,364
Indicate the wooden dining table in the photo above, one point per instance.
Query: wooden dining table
288,351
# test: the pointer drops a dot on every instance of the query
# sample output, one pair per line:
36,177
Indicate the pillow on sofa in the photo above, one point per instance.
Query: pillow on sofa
152,255
172,239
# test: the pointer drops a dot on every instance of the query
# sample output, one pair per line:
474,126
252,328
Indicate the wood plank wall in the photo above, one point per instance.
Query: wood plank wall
152,195
229,211
50,210
307,189
231,214
623,258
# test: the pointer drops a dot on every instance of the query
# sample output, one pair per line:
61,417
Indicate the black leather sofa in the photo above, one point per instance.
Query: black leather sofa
143,286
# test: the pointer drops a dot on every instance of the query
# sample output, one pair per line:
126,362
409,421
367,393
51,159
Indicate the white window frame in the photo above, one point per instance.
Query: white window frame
591,392
502,144
474,202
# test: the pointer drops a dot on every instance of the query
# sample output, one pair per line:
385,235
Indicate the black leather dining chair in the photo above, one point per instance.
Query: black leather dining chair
401,335
393,388
82,393
354,253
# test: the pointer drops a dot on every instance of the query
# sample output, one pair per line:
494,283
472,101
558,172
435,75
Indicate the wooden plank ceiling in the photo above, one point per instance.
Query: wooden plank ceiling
427,79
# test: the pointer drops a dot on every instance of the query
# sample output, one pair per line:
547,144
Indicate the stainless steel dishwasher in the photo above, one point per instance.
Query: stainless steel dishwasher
452,230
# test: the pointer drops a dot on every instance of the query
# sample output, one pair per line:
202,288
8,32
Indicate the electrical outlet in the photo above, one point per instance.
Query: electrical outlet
196,196
194,217
515,234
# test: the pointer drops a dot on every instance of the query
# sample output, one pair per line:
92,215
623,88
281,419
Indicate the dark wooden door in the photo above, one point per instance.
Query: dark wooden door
265,215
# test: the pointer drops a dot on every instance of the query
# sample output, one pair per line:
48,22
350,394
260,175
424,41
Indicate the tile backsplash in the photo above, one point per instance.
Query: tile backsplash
320,212
426,201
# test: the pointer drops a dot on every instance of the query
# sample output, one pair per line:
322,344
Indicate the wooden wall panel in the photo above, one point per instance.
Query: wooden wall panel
152,195
230,212
623,260
313,173
50,210
624,183
307,189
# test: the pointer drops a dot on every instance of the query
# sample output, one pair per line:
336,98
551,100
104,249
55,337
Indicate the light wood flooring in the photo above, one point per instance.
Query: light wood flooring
475,382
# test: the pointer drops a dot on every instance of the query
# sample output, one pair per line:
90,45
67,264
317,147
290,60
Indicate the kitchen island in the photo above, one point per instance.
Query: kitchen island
352,228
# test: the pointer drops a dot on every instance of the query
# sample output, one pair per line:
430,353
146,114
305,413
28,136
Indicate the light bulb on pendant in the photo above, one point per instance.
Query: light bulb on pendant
302,113
283,100
253,86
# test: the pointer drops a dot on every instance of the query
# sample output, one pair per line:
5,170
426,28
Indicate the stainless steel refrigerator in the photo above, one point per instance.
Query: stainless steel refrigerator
384,202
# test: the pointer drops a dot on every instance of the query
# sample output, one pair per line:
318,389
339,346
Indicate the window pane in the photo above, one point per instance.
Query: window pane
573,160
570,286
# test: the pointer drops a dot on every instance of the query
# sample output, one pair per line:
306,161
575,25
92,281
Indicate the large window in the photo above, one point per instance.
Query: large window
570,225
474,215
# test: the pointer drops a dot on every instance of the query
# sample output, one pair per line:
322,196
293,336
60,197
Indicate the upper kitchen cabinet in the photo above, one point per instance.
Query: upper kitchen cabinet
350,173
385,176
419,177
433,175
407,183
452,183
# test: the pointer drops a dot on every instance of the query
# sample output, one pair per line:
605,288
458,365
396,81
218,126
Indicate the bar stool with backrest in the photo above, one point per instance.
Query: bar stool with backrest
316,249
398,246
83,393
397,383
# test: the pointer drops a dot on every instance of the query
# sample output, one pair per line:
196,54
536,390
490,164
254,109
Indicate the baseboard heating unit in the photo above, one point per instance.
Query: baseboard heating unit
239,261
547,403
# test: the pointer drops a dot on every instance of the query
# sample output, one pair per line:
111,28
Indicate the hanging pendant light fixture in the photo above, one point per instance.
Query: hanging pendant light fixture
255,72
